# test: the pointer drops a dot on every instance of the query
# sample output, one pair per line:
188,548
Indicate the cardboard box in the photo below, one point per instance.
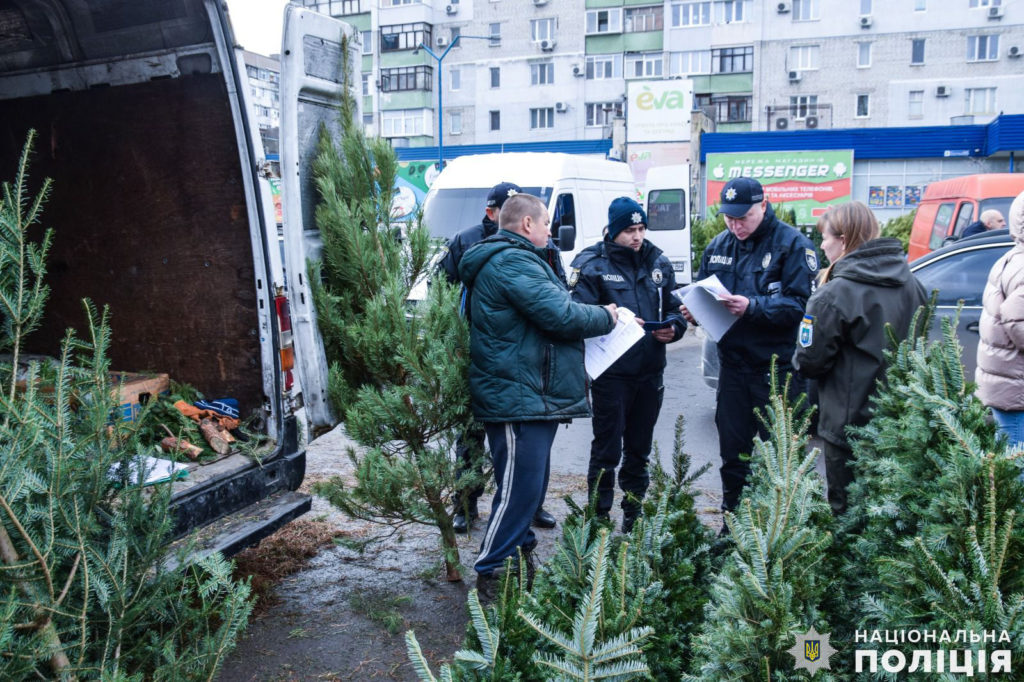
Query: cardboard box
134,390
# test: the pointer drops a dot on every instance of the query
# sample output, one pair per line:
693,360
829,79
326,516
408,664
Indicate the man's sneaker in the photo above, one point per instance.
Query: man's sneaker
542,519
629,517
488,587
461,521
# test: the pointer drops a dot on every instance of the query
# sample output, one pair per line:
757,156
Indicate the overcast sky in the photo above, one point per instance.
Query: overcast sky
257,24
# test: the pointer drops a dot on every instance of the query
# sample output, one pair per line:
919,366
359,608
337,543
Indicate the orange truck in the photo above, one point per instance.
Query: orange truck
948,206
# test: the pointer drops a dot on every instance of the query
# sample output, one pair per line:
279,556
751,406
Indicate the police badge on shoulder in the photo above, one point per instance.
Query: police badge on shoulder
806,335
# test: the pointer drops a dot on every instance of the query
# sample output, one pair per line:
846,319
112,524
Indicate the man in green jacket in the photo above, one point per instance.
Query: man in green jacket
526,370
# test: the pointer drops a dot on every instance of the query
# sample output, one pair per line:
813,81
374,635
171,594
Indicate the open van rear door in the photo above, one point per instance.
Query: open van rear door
668,216
311,90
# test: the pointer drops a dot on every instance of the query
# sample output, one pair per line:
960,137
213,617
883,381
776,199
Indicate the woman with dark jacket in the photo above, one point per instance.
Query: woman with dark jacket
842,336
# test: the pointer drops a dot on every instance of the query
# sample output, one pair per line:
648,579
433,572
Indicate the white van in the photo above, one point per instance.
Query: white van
668,216
577,190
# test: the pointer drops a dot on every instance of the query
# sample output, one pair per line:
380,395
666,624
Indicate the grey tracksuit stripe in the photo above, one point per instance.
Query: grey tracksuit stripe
506,492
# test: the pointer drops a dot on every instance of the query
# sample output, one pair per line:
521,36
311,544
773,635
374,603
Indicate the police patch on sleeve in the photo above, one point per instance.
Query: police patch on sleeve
574,277
812,259
807,331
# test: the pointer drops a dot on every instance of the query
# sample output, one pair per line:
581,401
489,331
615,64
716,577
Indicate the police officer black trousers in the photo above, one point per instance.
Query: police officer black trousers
625,411
740,391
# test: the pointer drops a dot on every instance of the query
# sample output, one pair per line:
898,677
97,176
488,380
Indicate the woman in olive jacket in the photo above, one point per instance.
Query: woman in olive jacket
1000,372
842,337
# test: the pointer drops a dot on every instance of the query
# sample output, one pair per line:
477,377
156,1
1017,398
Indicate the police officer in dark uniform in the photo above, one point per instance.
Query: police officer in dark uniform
769,269
470,446
631,272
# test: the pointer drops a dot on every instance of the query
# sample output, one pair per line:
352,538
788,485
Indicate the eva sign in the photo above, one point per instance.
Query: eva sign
659,111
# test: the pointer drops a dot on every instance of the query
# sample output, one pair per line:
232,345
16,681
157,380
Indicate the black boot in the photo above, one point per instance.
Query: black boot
542,519
465,516
629,517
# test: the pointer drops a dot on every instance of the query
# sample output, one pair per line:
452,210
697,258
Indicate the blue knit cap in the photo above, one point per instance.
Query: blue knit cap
622,213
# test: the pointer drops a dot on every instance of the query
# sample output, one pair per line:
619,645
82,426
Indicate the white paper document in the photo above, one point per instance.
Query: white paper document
603,351
157,470
704,301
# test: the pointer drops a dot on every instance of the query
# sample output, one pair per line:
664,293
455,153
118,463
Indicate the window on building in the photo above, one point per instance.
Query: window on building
495,76
982,48
346,7
686,63
804,57
986,3
732,59
399,3
601,67
403,78
641,19
455,33
604,21
863,106
917,51
802,106
920,5
495,33
367,39
455,123
455,78
542,73
543,29
731,108
863,55
495,120
542,118
367,121
729,11
691,14
644,65
405,122
404,36
602,113
980,100
915,104
865,7
805,10
366,85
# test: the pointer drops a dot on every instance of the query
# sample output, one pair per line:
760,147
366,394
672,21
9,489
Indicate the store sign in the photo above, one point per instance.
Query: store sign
806,181
659,111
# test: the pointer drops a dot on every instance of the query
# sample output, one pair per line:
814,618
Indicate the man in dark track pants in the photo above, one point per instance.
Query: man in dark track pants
769,269
628,270
526,371
470,445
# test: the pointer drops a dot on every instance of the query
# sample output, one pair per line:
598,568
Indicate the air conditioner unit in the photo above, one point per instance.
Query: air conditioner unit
795,76
561,107
781,123
811,122
441,41
995,12
577,70
866,21
452,9
547,45
943,91
1013,52
782,7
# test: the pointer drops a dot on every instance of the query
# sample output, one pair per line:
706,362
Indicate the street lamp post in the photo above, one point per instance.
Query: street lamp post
440,91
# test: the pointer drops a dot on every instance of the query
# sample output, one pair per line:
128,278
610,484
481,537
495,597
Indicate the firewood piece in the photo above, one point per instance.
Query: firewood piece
211,431
180,445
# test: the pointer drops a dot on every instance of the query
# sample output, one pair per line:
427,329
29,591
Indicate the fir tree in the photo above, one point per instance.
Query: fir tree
397,375
83,591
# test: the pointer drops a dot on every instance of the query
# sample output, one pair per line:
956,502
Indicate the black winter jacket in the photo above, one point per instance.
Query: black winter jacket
774,267
842,337
462,240
642,281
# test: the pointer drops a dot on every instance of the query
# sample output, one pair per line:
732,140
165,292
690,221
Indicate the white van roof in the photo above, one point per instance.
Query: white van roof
534,169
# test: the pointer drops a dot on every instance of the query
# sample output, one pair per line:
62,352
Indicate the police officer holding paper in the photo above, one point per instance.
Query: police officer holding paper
631,272
769,269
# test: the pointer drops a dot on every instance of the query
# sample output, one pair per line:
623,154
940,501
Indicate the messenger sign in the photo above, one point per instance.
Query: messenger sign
806,181
659,111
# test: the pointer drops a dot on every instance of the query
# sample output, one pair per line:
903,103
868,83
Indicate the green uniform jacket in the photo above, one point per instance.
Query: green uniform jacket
526,334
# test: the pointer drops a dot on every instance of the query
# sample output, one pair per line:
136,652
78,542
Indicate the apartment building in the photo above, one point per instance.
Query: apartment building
556,70
264,76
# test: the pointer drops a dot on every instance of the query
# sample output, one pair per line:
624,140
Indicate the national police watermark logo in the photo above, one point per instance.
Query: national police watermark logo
656,276
811,651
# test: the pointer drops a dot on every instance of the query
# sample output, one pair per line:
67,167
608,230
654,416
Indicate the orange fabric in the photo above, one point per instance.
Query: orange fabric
196,414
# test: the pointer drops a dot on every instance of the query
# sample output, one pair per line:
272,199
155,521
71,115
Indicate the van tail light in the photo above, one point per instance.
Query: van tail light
284,338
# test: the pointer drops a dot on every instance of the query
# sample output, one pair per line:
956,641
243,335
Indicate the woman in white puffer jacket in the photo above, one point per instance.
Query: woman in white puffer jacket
1000,373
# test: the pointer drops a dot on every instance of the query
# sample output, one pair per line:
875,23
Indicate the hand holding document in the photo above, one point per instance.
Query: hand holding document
603,351
704,300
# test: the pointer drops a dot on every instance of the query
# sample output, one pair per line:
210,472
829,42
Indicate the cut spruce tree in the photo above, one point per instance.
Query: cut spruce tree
398,371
